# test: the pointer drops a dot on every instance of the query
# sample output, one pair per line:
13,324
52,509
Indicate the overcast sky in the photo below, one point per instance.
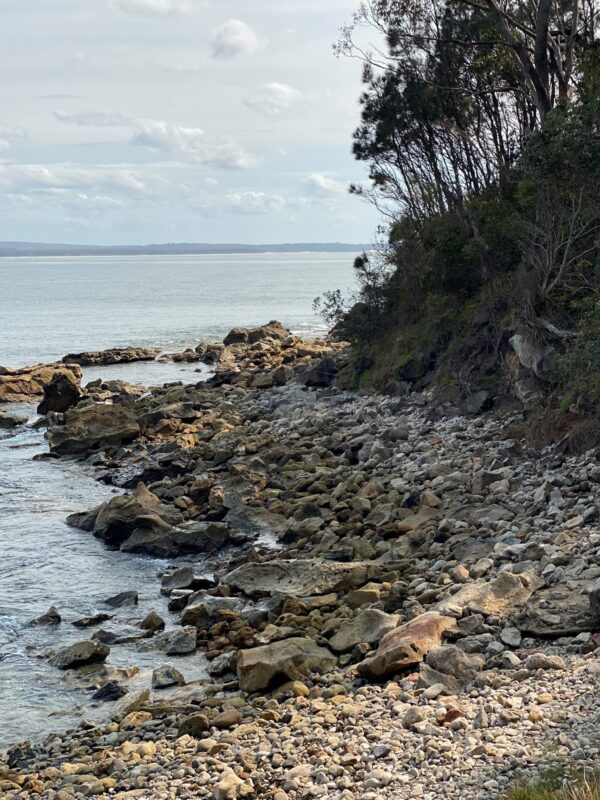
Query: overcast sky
178,120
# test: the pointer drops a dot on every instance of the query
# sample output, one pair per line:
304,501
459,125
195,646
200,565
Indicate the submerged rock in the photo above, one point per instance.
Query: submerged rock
116,355
51,617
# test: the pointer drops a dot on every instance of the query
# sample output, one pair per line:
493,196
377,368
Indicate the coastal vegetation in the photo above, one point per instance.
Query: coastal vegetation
481,129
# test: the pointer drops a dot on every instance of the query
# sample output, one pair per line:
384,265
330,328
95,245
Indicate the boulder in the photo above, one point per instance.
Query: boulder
206,611
62,393
27,384
194,725
450,667
165,676
164,541
299,578
501,597
114,521
175,643
92,427
322,374
122,600
152,622
370,626
116,355
80,654
236,336
288,658
407,645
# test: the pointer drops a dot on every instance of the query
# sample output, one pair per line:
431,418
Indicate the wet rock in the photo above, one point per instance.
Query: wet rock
109,693
79,654
166,675
122,600
152,622
407,645
91,427
204,612
51,617
116,355
177,642
89,622
289,658
8,421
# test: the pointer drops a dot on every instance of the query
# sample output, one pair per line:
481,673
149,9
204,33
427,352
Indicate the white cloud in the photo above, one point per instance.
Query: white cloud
273,99
191,143
253,202
163,8
99,119
64,177
234,38
322,186
10,136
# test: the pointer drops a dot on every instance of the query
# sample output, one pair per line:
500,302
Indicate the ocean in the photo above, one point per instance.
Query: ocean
53,306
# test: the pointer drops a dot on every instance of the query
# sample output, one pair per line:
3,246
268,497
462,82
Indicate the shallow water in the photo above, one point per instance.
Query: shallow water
45,562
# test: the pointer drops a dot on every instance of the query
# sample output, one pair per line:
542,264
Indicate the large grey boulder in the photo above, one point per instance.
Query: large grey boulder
289,658
298,578
80,654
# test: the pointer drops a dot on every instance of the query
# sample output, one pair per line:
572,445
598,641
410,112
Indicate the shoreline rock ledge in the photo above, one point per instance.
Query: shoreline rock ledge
387,599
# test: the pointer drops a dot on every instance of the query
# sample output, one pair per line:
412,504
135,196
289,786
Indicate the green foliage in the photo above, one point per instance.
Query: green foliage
554,785
578,368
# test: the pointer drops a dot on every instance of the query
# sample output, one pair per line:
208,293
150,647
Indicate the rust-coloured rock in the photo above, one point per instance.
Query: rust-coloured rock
407,645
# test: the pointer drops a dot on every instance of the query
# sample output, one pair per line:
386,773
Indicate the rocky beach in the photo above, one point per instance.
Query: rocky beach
388,597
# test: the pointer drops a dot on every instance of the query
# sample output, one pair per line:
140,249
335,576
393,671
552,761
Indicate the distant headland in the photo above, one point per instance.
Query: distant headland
16,249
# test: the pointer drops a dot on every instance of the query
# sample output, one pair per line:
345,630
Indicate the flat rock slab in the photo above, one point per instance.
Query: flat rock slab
92,427
501,597
561,610
407,645
298,578
259,666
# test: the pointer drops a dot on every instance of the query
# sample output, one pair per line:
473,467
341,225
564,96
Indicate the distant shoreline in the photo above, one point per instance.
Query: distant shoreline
43,250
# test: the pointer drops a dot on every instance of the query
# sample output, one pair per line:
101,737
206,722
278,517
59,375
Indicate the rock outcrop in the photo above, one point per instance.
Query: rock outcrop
259,667
91,427
26,385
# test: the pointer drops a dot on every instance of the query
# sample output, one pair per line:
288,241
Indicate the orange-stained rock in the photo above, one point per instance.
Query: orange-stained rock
407,644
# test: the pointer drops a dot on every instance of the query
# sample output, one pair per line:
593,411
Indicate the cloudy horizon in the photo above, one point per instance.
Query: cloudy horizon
133,121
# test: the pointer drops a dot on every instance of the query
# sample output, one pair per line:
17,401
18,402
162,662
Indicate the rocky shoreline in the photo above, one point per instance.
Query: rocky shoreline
395,600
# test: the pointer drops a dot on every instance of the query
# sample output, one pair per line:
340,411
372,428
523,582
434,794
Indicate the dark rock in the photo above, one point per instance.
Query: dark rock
165,676
110,692
123,599
321,374
91,427
89,622
152,622
61,394
80,654
194,725
51,617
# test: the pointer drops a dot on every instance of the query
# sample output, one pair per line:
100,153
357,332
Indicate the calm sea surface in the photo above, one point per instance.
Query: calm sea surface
53,306
50,307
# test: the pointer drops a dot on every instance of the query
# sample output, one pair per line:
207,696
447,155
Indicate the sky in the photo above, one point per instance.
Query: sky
137,121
